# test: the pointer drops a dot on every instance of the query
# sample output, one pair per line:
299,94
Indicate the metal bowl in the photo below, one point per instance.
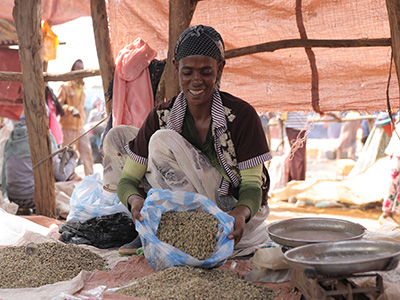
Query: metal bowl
344,258
302,231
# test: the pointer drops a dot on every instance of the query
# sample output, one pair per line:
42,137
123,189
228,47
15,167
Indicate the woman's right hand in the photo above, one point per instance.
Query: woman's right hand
136,203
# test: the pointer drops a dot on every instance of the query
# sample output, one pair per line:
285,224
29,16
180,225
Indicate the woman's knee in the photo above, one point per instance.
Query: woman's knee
118,137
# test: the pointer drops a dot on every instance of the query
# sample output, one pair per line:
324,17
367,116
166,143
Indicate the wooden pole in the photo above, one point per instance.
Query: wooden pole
179,19
393,8
103,45
309,43
73,75
27,17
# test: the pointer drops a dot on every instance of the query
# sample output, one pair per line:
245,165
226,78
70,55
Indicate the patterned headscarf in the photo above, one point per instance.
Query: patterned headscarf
200,40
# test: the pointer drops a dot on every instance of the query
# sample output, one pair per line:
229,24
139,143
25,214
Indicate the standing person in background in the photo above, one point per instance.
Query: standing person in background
71,95
296,125
391,200
96,114
348,136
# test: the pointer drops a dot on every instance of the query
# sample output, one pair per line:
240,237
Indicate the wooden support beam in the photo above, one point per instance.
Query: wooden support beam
27,17
73,75
180,15
303,43
265,47
103,45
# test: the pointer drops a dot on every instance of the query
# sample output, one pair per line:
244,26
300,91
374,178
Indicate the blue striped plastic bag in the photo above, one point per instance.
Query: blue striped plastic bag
160,255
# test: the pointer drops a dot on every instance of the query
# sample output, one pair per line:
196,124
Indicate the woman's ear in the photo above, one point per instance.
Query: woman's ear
220,68
176,64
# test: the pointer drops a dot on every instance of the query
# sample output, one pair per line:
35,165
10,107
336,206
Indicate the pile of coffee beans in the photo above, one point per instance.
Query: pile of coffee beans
195,283
193,232
35,265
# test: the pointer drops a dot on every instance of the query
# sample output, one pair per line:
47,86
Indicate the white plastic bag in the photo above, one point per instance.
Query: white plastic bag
90,200
269,265
160,255
14,227
4,135
278,172
269,258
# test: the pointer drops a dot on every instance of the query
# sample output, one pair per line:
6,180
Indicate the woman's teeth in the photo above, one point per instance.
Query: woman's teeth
195,92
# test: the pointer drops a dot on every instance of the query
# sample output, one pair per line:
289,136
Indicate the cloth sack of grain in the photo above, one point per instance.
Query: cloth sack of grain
160,255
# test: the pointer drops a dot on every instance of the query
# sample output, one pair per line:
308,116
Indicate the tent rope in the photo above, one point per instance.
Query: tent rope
300,141
389,109
69,146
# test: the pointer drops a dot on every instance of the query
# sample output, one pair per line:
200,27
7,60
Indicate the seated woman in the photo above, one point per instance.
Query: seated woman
17,180
204,141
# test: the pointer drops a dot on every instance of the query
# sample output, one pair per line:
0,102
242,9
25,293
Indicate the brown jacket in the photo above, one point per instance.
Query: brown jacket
71,96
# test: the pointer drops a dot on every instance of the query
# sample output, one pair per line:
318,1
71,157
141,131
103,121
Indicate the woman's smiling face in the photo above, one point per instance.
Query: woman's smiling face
197,75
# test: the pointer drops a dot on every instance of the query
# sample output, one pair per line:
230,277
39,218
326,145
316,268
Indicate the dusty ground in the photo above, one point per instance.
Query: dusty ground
319,166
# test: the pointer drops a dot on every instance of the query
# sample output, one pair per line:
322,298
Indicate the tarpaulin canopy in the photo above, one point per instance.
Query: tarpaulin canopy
56,11
287,79
345,78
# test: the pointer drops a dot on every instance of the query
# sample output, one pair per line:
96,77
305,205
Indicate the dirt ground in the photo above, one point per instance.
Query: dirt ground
369,218
318,166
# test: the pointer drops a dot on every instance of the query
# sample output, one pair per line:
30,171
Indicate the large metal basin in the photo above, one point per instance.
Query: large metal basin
344,258
302,231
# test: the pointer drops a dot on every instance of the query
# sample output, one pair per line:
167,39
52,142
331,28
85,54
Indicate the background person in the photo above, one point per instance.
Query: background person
295,126
391,200
17,180
348,136
96,114
71,95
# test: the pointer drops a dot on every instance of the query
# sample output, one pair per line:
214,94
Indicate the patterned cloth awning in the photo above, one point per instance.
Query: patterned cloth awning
8,33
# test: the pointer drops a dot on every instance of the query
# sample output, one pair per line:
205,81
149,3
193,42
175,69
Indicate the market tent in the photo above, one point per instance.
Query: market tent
344,78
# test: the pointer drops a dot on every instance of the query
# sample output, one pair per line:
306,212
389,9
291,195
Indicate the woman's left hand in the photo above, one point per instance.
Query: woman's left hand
241,213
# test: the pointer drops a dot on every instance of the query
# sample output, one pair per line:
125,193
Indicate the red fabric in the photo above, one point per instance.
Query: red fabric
12,112
11,94
54,125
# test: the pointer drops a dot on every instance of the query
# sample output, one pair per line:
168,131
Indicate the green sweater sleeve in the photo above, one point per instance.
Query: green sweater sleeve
131,177
250,192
